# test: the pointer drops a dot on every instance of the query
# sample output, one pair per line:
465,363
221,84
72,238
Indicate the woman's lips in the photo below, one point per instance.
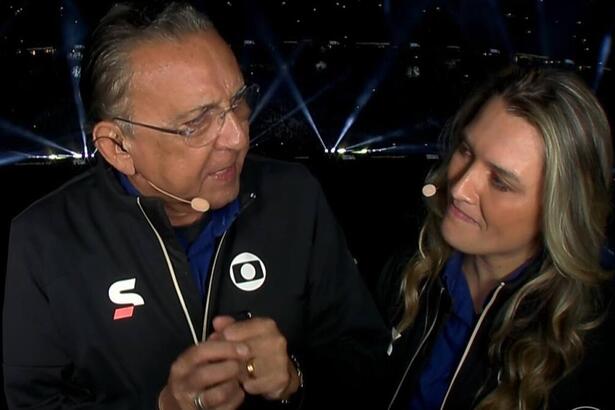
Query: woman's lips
459,214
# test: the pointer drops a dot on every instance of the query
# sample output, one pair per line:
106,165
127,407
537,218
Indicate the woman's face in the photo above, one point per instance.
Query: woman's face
495,182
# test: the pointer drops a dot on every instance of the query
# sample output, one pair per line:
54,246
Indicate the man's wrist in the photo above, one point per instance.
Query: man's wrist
295,383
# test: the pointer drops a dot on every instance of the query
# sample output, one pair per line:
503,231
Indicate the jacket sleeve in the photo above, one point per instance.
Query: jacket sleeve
347,340
388,295
33,355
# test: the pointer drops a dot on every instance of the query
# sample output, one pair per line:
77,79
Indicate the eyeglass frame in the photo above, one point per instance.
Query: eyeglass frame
188,132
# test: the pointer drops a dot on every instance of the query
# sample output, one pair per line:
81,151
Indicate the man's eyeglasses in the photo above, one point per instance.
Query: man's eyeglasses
203,129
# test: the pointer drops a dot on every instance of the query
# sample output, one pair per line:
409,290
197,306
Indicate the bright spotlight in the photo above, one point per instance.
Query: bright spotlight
20,132
8,158
603,57
294,90
367,92
73,34
302,106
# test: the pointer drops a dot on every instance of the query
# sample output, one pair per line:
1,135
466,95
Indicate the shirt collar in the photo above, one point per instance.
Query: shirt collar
220,218
457,286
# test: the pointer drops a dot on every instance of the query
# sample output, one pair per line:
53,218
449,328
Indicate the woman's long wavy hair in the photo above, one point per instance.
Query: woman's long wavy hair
537,346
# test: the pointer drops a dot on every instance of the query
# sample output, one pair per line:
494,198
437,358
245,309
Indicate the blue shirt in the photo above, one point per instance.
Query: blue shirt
200,251
452,339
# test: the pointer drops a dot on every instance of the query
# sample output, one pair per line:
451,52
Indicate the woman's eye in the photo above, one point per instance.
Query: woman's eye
499,184
463,149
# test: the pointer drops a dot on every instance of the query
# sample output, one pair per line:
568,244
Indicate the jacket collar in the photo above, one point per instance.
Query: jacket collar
248,190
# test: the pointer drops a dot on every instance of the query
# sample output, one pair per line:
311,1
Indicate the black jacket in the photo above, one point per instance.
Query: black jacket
475,376
63,348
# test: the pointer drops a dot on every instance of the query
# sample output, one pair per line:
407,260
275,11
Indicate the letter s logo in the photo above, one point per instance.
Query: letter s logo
118,294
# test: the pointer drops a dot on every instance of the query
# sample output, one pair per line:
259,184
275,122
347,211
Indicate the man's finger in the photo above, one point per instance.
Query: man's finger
223,395
273,386
207,378
251,328
221,322
209,351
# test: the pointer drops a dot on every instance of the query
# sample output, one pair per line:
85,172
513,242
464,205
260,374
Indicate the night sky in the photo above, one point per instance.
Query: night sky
341,73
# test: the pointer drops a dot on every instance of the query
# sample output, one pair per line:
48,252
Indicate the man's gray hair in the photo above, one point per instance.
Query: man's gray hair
106,71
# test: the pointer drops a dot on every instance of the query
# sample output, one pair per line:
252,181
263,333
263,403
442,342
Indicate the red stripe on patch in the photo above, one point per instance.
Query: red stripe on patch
123,313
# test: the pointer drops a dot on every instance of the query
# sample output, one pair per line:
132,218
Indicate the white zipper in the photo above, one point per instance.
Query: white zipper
211,281
180,297
469,345
178,291
213,270
433,323
427,302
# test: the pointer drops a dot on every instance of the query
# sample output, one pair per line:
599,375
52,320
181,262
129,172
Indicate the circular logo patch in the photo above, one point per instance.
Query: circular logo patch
248,271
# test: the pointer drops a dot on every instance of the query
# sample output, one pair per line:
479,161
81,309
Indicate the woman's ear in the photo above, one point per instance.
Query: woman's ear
114,146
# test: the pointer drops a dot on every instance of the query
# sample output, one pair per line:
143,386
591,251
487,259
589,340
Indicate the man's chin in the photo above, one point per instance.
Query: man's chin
221,199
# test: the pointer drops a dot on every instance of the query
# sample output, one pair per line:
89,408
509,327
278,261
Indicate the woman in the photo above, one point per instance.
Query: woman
504,304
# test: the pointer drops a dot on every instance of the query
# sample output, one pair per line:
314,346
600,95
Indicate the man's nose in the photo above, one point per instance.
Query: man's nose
232,133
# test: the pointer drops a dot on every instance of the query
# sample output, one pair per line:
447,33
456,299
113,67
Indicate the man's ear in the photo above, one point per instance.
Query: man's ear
114,146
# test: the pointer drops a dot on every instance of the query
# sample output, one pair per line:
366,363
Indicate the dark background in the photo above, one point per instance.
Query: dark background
356,90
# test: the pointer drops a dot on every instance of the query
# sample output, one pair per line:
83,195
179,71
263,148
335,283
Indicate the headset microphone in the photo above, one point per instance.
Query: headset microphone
429,190
197,203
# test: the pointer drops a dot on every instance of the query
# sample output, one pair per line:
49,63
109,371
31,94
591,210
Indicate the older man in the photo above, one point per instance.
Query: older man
180,273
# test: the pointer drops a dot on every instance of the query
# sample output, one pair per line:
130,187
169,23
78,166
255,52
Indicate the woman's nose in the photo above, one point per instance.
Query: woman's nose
467,186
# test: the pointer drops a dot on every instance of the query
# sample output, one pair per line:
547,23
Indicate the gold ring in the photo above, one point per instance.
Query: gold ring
198,402
251,369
